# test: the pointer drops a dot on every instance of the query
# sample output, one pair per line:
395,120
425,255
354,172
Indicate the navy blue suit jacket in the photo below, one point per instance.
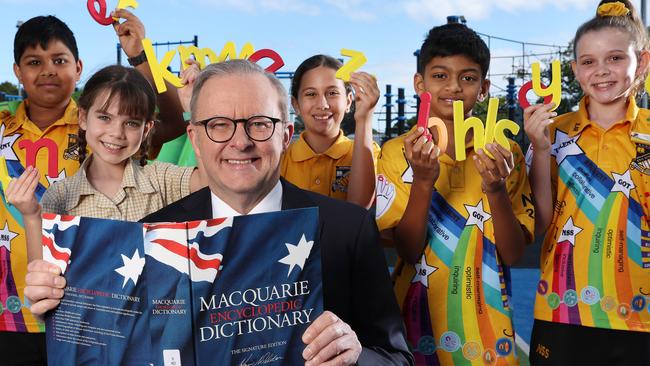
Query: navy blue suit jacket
356,283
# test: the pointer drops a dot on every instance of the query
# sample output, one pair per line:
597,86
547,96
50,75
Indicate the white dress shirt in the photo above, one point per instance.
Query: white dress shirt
272,202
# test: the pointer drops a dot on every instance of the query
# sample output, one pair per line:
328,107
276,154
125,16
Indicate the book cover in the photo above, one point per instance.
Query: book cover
228,291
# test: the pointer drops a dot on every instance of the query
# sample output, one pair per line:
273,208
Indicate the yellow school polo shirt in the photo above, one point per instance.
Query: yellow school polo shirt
327,173
455,300
54,152
596,256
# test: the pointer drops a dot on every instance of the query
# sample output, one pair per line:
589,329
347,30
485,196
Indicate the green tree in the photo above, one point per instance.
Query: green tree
480,109
9,88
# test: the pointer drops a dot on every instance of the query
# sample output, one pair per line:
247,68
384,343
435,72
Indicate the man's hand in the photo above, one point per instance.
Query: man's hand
44,286
130,32
330,341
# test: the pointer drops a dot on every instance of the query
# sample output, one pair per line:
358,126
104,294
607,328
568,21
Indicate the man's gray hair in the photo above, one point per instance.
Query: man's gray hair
239,67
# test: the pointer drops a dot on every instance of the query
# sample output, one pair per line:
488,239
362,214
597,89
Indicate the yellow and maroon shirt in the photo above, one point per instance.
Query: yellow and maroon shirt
455,301
596,255
54,152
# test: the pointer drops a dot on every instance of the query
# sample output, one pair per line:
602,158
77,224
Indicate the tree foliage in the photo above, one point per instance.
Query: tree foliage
9,88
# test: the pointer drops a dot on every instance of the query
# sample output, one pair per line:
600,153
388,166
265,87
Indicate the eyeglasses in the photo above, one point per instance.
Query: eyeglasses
222,129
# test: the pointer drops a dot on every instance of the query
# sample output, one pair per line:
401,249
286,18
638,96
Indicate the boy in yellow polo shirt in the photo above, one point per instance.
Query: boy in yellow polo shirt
457,225
42,133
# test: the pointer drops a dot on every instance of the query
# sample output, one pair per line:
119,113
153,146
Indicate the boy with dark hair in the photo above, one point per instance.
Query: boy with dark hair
42,133
40,31
456,224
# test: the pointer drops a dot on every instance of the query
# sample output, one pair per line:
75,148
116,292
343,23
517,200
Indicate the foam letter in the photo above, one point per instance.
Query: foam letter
229,51
555,88
159,69
100,17
523,91
123,4
443,136
462,126
491,119
499,135
31,150
494,131
200,54
647,84
423,114
278,62
358,59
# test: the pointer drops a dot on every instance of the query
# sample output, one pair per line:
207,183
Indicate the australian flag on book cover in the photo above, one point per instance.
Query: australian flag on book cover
230,291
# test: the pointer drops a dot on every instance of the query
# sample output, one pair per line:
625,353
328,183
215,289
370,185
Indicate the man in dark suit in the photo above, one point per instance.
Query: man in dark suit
361,324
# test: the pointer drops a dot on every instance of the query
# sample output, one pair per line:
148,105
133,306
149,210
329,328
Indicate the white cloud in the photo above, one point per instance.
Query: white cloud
39,2
255,6
397,72
353,9
425,10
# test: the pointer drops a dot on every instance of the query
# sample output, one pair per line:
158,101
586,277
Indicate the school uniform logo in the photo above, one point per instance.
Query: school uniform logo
340,184
72,151
642,160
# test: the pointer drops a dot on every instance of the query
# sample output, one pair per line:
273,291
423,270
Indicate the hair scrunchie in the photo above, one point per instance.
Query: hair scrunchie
614,9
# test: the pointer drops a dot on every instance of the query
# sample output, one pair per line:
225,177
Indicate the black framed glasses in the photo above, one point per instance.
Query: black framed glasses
222,129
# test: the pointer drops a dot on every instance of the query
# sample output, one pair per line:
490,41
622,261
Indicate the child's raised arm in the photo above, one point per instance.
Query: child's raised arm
410,233
131,33
20,193
537,118
510,237
361,189
188,77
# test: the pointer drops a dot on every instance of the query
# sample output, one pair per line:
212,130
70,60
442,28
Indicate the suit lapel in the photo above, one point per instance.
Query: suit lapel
200,206
294,197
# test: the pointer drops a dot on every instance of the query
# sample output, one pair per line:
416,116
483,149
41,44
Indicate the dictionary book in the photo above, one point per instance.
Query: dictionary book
228,291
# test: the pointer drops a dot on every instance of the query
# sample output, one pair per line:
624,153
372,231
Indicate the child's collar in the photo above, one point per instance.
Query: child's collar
583,121
70,116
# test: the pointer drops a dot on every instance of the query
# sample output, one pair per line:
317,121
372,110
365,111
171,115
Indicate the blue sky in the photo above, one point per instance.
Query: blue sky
386,31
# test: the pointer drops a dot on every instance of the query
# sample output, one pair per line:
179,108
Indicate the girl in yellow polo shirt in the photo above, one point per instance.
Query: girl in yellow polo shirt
323,159
590,176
